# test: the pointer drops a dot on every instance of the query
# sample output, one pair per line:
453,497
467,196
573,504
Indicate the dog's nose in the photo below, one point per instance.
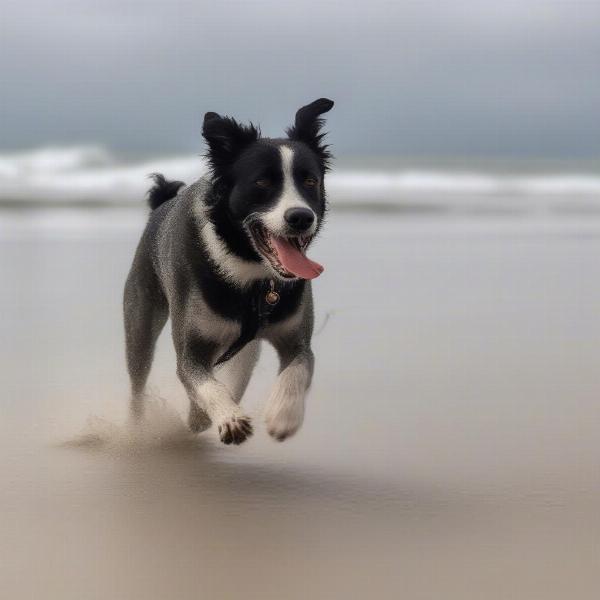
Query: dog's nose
299,219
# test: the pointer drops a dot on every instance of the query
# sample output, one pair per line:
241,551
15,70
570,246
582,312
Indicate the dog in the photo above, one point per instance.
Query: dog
225,259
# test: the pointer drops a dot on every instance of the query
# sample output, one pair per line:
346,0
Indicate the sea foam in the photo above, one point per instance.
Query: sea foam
92,175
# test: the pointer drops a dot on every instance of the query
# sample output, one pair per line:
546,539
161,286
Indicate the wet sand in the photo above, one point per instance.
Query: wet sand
450,448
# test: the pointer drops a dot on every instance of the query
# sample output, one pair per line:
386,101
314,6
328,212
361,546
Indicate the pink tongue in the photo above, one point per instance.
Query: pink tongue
294,261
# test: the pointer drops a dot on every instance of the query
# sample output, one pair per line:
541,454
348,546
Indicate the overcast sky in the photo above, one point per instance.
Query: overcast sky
463,77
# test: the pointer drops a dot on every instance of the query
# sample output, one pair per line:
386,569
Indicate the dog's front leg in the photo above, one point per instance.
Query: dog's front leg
212,396
235,374
285,407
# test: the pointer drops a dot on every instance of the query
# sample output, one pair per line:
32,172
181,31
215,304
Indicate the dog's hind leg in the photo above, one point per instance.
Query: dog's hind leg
236,372
198,419
145,312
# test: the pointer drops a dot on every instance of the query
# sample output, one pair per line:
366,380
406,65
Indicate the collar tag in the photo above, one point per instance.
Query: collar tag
272,297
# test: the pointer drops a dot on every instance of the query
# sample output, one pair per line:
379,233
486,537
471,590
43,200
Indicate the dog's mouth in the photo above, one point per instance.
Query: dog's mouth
286,255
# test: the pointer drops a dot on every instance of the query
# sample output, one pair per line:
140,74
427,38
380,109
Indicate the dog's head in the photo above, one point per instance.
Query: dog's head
269,194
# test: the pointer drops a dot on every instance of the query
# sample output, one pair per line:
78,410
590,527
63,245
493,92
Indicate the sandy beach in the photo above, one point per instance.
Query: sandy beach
450,448
451,443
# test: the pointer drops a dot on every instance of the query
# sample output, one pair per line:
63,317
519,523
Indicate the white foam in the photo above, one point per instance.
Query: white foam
92,174
86,173
383,185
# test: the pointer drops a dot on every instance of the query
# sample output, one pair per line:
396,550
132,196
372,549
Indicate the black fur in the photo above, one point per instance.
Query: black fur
162,190
225,298
226,138
235,195
175,274
307,128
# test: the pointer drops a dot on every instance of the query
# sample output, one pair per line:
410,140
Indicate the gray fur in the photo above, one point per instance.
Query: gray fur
162,284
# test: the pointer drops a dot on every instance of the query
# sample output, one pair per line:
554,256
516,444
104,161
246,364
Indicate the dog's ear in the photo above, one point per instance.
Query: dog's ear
226,139
307,128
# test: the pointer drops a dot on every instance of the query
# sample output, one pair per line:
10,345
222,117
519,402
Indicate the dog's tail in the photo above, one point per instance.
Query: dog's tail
162,190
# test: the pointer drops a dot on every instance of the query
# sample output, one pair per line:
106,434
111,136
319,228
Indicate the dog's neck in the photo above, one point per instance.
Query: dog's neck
232,267
261,303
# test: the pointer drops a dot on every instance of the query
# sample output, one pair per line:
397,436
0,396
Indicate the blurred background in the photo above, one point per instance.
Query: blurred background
468,96
451,441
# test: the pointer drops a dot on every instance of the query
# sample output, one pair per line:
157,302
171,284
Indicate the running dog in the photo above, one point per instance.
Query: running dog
225,259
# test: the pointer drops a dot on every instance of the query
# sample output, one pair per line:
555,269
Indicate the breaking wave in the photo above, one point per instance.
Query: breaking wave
92,175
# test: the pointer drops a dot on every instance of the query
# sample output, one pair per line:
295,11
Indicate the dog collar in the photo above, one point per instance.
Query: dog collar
272,297
263,299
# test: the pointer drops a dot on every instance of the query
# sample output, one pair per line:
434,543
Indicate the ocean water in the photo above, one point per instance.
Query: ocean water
450,447
89,175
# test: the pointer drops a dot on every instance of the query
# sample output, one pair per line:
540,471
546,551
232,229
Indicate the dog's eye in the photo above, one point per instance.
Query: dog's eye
310,182
263,182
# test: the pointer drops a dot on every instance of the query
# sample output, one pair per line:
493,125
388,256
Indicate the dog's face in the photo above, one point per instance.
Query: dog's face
271,194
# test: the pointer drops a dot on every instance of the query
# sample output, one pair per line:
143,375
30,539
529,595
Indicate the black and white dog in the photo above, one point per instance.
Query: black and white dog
225,258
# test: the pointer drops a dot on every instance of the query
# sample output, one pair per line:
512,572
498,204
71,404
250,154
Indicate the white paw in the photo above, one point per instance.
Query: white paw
235,429
285,418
